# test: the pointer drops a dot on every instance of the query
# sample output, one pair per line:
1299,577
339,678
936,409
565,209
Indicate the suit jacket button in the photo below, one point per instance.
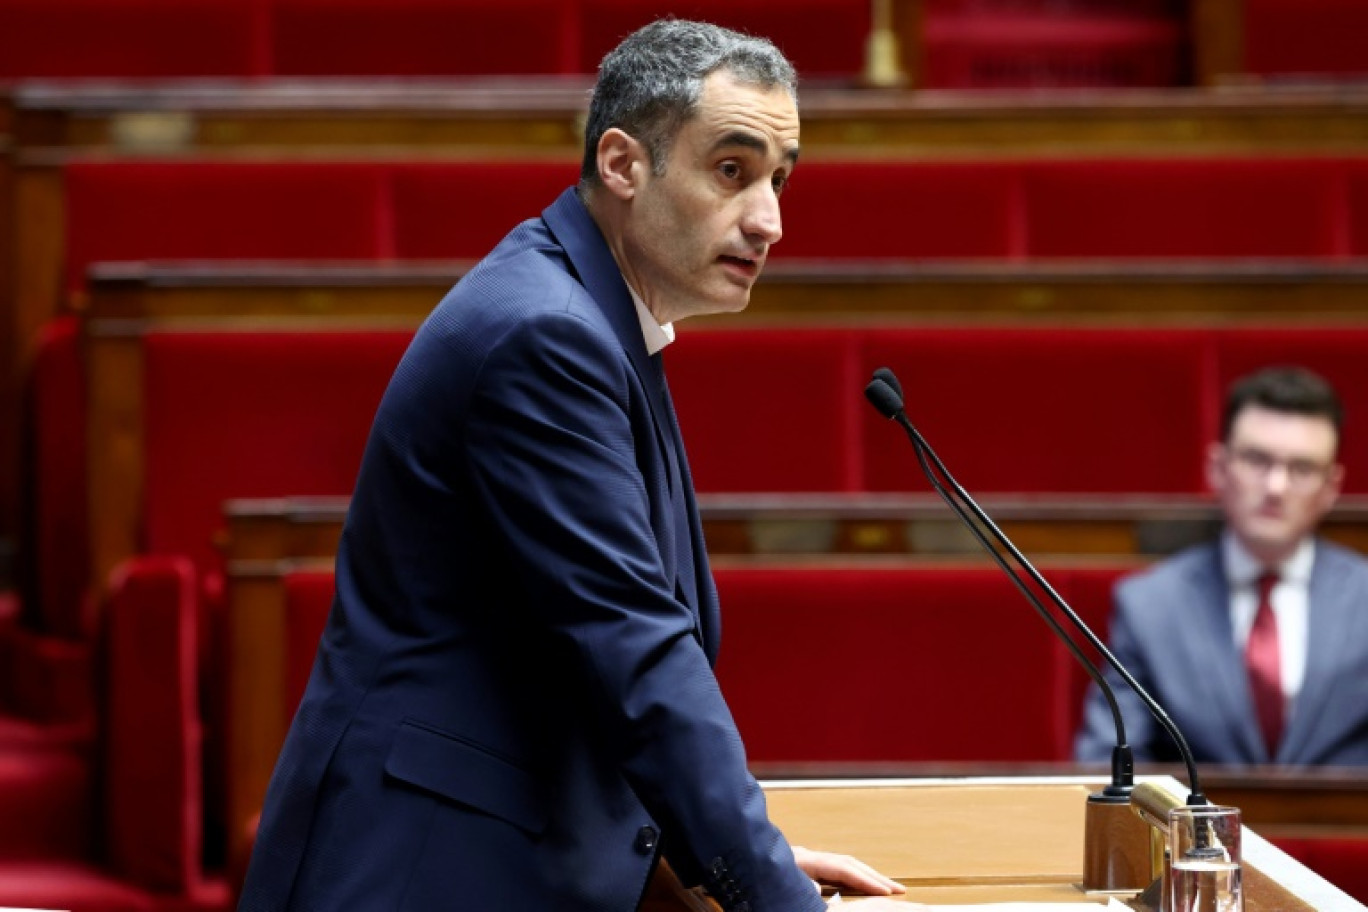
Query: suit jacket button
646,840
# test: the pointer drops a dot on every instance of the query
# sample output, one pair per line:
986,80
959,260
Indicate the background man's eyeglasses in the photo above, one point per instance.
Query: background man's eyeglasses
1255,463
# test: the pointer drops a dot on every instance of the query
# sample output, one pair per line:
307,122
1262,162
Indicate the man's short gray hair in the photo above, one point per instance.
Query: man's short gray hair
649,85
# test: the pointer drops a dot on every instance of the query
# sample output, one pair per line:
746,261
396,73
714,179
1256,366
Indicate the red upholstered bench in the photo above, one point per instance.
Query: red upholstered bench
163,38
149,859
221,210
1012,48
1045,409
1186,208
308,599
821,37
460,210
252,414
1340,859
873,210
206,209
889,663
422,37
1300,38
231,415
768,409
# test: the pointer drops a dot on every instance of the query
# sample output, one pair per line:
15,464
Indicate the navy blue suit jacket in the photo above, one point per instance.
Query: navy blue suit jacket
513,705
1171,628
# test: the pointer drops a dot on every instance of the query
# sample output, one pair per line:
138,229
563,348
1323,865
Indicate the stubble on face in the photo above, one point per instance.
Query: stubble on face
699,234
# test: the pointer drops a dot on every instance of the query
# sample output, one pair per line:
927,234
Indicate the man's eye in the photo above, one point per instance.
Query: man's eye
730,170
780,183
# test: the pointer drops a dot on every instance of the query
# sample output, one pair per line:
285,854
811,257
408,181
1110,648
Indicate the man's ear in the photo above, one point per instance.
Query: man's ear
1215,467
621,163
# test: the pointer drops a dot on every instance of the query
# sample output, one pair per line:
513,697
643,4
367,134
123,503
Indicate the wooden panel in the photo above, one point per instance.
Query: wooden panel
1150,294
1217,29
114,451
256,721
543,116
979,840
1055,529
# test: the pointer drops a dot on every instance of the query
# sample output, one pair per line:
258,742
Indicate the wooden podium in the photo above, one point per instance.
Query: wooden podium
995,840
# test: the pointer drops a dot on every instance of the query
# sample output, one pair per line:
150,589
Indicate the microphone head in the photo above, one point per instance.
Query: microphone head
883,397
887,376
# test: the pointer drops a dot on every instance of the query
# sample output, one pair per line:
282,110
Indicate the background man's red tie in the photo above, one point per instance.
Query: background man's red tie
1265,666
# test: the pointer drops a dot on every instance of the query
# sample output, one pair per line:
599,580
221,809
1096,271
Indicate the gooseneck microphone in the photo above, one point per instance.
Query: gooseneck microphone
884,392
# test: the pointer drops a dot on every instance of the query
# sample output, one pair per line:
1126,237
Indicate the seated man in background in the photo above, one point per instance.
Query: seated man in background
1257,644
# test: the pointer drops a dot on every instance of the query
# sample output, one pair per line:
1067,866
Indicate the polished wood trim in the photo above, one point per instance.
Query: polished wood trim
1218,41
543,115
1056,526
1174,293
114,452
258,717
1274,800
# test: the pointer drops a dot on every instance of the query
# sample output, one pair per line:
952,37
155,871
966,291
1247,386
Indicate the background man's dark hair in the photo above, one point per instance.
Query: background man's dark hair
649,85
1294,390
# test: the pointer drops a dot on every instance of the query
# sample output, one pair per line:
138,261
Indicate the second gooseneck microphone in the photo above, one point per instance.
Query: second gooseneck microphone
884,392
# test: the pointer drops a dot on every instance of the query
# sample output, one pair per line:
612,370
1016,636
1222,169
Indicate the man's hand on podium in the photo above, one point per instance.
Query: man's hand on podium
845,872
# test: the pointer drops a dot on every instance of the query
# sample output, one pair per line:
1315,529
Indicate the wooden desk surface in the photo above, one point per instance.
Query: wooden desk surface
1008,839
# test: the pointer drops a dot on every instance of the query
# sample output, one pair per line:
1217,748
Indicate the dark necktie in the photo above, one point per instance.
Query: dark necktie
1265,666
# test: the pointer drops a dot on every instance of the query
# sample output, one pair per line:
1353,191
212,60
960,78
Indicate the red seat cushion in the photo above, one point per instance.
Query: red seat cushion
47,797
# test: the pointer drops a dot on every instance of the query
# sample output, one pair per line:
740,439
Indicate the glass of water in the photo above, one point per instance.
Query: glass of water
1204,859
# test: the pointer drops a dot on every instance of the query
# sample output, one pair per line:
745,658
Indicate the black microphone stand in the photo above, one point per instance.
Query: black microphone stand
1112,859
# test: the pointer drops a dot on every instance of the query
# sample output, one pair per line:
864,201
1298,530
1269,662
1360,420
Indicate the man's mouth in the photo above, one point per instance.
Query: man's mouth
740,262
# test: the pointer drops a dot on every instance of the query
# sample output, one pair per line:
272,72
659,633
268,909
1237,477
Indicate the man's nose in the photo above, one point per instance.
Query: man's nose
1278,478
761,220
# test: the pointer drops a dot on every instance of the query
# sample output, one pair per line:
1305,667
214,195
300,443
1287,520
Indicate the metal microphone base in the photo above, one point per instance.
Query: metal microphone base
1117,856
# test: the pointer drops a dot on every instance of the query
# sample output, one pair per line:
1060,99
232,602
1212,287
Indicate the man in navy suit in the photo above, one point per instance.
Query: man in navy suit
513,706
1256,645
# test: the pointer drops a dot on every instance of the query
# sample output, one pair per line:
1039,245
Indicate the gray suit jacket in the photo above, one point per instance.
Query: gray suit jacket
1170,628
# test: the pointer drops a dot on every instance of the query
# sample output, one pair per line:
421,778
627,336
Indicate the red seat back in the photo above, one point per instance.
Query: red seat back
887,663
1045,409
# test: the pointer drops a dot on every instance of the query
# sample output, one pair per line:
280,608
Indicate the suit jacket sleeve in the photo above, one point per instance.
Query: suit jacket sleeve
1097,733
554,439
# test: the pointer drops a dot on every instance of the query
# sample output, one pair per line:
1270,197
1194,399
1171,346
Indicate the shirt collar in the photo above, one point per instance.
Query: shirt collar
1242,569
657,335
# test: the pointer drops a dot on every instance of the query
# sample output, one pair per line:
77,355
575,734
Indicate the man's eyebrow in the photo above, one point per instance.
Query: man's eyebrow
752,141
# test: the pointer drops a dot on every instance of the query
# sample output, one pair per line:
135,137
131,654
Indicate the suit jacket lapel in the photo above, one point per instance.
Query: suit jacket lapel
1218,669
1330,631
572,226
